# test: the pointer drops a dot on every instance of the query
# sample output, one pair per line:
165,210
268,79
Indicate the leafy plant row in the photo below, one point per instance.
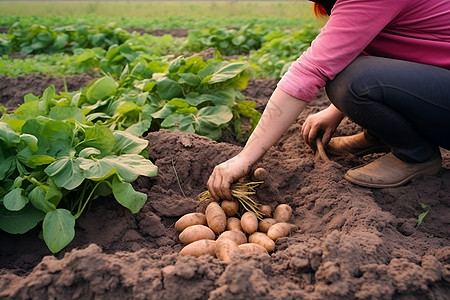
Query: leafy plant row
44,39
277,50
60,152
228,41
53,162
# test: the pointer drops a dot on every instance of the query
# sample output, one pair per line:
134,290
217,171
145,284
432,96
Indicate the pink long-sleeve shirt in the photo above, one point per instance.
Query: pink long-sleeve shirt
412,30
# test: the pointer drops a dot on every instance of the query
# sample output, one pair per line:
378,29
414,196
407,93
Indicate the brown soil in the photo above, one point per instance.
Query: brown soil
351,242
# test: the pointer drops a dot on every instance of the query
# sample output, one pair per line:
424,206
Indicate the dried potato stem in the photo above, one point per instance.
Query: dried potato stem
242,192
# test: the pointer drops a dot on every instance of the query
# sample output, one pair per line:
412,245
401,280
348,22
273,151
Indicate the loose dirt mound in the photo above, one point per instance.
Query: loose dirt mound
351,242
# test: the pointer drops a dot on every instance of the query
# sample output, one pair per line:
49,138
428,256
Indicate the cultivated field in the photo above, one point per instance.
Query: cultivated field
113,116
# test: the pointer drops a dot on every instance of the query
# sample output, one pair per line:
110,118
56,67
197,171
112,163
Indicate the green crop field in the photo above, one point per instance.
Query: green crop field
166,14
61,150
161,9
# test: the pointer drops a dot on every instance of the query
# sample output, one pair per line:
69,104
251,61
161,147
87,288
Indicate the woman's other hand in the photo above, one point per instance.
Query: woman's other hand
324,122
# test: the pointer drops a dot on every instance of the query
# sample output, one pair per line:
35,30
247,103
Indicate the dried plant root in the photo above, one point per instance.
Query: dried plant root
242,193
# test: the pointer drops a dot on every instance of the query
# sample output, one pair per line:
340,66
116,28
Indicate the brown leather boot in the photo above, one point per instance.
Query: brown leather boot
358,144
390,171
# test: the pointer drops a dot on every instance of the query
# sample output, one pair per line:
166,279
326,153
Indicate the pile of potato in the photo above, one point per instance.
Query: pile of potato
235,236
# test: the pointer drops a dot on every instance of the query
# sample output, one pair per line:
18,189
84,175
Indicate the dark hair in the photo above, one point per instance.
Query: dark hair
323,8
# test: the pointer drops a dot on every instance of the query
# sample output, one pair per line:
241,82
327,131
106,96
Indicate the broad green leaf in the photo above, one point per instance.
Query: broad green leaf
67,113
30,140
189,79
53,194
99,137
139,128
98,169
7,166
58,229
38,199
54,137
101,89
126,107
39,160
175,64
222,71
86,152
182,121
47,97
128,143
66,172
164,112
127,166
138,99
8,135
19,222
28,110
225,96
168,89
215,115
60,136
127,196
60,42
15,200
209,120
238,40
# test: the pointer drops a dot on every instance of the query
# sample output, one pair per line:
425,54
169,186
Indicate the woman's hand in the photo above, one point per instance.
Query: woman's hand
325,121
280,112
224,175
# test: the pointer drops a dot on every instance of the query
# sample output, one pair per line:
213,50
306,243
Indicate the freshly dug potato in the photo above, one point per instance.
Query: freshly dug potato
196,232
230,207
279,230
249,222
190,219
266,210
260,174
282,213
234,224
199,248
248,248
215,217
265,224
263,240
226,250
238,236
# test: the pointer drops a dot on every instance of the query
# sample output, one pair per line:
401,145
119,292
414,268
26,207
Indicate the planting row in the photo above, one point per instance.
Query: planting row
109,48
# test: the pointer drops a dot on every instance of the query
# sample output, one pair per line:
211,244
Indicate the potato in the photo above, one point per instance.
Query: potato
260,174
263,240
199,248
279,230
282,213
196,232
265,224
234,224
266,210
226,250
230,207
249,222
249,248
238,236
215,217
190,219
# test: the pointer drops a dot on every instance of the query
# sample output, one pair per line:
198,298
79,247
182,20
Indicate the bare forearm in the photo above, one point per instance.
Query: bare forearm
281,112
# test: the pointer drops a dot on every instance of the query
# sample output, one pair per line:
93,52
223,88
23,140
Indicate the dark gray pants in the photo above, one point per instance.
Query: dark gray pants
404,104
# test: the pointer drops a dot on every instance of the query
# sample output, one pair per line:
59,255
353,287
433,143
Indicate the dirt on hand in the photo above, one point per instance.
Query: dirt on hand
351,242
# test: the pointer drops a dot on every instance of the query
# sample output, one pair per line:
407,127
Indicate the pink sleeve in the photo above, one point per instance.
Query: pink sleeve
351,27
